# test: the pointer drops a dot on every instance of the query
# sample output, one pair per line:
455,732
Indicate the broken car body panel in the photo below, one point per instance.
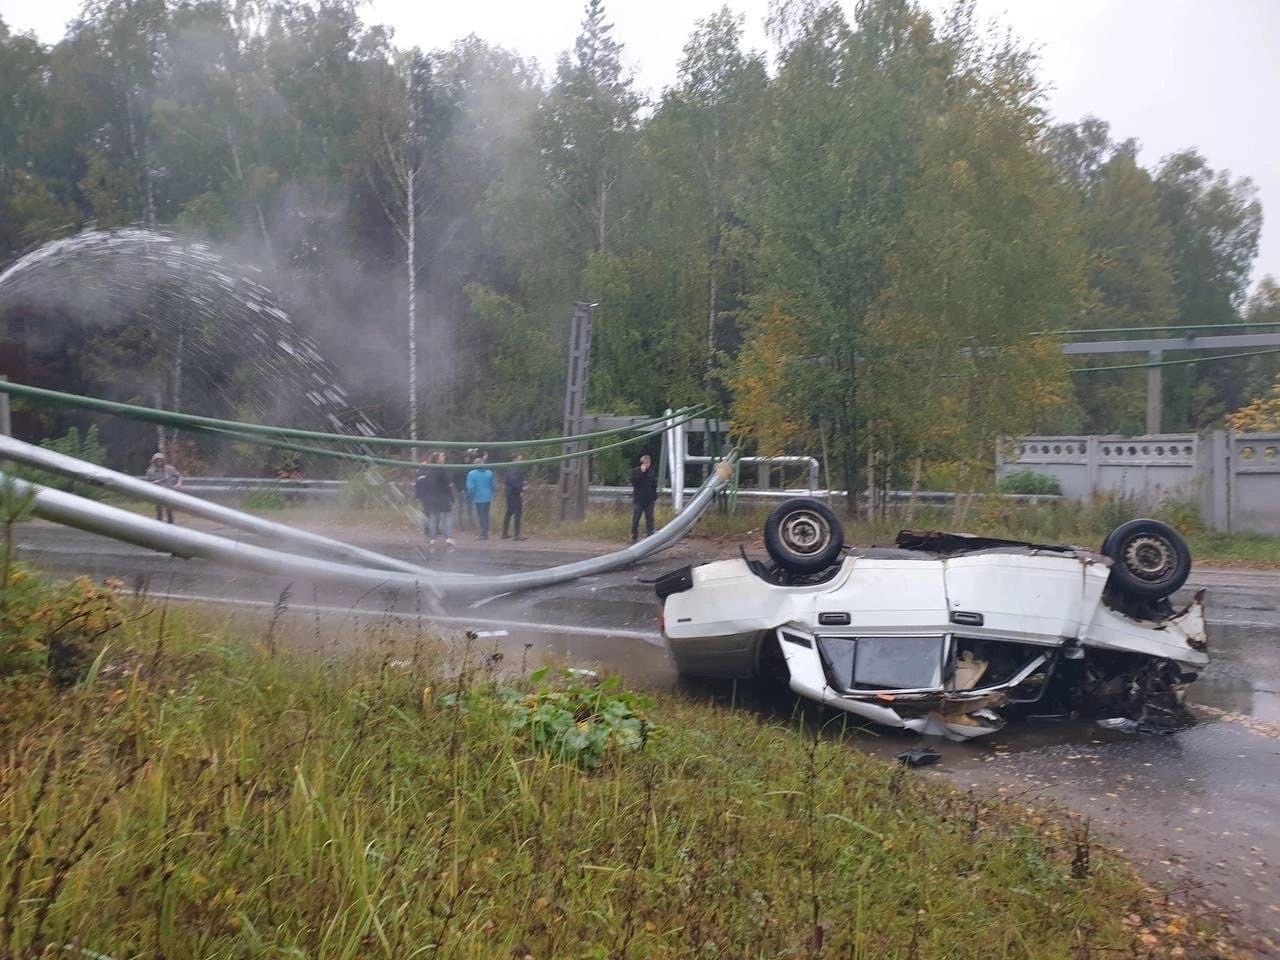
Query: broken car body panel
928,642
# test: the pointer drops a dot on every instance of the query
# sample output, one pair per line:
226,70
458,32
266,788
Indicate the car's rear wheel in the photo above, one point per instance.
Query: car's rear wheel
803,535
1149,558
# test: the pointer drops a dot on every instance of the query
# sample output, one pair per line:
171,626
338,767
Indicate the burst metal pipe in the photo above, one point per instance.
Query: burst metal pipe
94,475
94,517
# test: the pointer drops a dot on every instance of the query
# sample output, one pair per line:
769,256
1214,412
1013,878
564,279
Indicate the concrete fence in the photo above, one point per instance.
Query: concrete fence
1234,478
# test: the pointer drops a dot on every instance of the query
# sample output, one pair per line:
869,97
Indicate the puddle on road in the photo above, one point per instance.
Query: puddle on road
1243,676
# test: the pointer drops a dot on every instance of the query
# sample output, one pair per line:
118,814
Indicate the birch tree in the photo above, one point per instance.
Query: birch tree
400,137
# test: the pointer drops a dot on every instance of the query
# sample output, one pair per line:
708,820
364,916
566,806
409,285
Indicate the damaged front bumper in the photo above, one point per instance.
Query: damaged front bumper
956,687
955,714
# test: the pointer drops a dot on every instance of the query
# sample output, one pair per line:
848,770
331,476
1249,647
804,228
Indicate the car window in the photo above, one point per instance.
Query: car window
885,663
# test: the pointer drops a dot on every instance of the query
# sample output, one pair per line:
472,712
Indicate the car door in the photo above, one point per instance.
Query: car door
1031,597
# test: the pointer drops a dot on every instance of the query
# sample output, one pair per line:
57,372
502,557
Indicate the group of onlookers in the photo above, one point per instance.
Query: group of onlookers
435,490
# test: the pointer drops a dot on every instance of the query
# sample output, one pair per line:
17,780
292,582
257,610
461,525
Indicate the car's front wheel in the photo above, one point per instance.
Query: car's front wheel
1149,558
803,535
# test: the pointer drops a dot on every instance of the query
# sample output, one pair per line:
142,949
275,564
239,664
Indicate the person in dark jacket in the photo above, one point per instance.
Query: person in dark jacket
515,483
434,491
644,494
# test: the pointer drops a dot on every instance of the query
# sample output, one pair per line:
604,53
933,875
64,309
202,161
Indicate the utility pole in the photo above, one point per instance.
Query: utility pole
574,472
6,425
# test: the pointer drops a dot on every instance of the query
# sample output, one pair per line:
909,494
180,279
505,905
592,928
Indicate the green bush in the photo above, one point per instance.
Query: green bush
577,723
569,721
363,488
87,447
1030,482
263,500
58,627
53,627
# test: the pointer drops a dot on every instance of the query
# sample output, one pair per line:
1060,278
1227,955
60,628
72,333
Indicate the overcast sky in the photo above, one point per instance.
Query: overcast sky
1172,73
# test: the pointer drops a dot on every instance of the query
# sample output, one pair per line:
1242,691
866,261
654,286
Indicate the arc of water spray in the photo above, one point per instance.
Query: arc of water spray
94,517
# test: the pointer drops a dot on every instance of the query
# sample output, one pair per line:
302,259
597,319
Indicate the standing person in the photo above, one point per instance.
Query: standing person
515,483
644,494
480,493
167,475
466,510
435,493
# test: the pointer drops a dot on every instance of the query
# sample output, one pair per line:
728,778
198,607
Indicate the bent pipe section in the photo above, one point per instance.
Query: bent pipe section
94,475
93,517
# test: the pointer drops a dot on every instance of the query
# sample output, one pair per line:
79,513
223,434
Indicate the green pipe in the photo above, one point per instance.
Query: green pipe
389,462
1171,363
1194,326
194,422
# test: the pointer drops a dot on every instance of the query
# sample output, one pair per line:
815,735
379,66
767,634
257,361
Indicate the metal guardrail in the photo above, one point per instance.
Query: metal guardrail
599,493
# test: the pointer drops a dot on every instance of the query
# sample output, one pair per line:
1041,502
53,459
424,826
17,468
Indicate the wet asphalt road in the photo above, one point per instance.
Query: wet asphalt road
1198,809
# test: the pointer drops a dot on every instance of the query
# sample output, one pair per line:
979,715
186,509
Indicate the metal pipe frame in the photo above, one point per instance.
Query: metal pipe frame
810,462
100,518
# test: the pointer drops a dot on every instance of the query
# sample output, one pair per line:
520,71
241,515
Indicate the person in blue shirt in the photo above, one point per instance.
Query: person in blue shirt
480,492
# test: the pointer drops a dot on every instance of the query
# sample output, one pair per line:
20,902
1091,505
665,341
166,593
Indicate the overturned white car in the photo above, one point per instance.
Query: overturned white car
945,633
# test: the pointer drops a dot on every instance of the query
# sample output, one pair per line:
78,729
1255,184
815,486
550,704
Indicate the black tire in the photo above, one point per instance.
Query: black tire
1149,558
803,535
1105,549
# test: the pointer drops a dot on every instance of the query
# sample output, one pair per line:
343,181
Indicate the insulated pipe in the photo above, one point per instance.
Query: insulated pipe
192,421
94,517
119,524
94,475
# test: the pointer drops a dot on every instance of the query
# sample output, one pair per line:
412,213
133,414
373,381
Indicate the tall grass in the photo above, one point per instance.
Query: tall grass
204,796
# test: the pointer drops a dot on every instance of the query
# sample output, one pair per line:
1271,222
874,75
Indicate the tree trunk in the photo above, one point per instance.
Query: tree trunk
604,199
411,211
177,381
257,204
711,317
915,488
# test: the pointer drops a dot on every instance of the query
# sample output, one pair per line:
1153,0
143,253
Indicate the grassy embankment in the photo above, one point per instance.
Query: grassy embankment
213,789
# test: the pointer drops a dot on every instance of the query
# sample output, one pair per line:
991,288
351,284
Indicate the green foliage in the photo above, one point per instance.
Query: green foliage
363,488
211,800
1028,481
52,629
812,247
87,447
262,500
586,724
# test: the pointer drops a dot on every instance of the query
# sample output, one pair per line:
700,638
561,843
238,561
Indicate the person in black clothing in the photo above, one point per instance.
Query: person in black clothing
644,494
515,484
434,491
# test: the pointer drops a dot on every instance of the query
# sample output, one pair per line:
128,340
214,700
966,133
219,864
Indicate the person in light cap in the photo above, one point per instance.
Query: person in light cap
166,474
